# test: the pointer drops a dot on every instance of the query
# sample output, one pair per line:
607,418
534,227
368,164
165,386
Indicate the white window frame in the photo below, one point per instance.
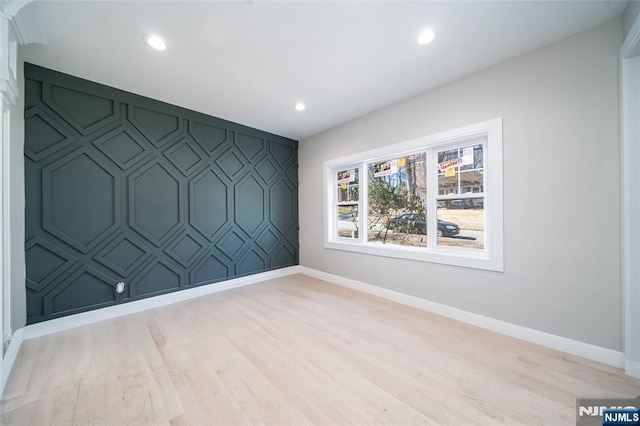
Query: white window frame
490,258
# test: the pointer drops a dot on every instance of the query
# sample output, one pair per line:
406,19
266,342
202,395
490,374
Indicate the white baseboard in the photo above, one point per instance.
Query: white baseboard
6,364
90,317
574,347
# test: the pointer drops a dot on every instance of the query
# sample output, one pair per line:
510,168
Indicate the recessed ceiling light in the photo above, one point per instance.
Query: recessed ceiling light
300,106
426,36
155,42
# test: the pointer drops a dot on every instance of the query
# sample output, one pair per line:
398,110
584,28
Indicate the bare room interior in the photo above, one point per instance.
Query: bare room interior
320,212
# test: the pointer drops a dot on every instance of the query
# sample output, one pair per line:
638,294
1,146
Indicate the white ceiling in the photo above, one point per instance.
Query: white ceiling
251,61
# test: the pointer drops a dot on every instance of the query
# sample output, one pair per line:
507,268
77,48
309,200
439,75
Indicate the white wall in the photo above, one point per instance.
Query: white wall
561,190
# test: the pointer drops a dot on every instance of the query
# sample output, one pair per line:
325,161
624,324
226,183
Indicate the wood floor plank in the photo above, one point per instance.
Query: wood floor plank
296,350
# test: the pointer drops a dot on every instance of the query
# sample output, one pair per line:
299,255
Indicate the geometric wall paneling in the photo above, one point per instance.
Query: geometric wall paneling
124,254
85,287
210,269
292,173
281,205
43,135
33,93
158,127
231,164
249,204
251,263
85,112
282,153
185,156
155,202
45,261
250,146
119,187
284,256
207,136
157,278
121,145
232,243
292,237
35,306
32,199
81,200
209,203
267,240
186,248
266,169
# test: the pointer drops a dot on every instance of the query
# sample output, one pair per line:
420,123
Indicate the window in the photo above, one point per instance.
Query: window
436,199
347,203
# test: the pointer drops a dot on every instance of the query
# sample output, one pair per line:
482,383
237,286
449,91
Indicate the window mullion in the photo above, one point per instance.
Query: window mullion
363,207
432,193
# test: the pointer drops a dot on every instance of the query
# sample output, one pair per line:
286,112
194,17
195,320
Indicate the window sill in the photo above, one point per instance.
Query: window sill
467,258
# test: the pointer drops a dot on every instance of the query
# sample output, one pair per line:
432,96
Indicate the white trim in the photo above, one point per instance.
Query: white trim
8,97
574,347
630,199
12,7
6,364
5,223
86,318
491,258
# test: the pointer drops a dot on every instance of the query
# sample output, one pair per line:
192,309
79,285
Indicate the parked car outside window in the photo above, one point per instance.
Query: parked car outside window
416,223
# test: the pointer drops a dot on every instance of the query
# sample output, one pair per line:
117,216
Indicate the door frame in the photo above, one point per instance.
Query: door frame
630,197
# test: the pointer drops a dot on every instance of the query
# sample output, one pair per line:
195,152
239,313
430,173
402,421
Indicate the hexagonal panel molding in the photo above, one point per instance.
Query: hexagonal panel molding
45,262
124,254
285,256
42,135
209,270
210,138
281,207
85,289
85,112
292,174
230,164
267,240
208,203
32,93
155,208
250,146
231,243
123,188
282,153
266,169
185,158
249,208
185,249
80,200
159,128
159,277
122,147
251,262
293,237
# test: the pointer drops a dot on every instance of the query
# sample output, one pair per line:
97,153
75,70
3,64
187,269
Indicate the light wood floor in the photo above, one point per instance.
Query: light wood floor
296,350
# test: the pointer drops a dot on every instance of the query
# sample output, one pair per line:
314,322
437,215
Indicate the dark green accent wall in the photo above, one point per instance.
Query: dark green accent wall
120,187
